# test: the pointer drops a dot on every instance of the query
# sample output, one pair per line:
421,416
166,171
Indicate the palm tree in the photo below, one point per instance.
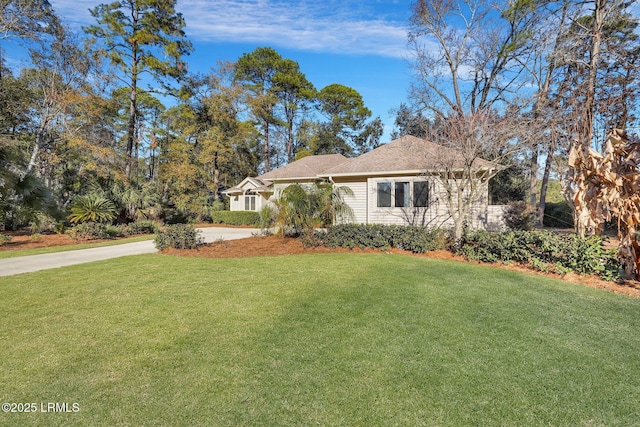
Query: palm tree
332,206
135,202
22,197
92,207
300,209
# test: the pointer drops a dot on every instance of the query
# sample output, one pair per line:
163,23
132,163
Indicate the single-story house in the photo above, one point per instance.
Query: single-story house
252,194
397,183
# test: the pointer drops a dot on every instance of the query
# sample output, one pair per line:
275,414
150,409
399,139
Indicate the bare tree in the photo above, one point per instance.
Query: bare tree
466,55
26,19
463,166
542,64
468,68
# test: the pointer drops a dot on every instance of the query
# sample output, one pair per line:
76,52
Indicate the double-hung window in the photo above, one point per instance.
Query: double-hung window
384,194
420,194
402,195
249,203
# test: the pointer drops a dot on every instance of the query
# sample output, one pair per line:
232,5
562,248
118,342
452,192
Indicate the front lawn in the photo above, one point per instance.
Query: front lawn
322,339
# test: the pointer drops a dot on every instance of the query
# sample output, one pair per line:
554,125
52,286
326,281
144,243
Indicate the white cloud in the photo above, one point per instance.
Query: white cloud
348,26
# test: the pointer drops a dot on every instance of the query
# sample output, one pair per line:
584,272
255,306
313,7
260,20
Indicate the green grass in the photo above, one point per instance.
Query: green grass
324,339
64,248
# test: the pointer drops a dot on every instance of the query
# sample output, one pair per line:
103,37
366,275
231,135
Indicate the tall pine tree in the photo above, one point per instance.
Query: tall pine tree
141,37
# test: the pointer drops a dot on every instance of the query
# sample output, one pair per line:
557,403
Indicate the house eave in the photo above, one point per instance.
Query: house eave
407,172
297,178
377,173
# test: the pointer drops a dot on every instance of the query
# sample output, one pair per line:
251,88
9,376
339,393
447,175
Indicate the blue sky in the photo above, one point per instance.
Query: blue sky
357,43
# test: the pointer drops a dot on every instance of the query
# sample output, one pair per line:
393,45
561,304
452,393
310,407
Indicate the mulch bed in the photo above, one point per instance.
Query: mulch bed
24,240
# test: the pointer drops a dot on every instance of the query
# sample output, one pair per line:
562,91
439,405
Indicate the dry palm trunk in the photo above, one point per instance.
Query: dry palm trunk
606,186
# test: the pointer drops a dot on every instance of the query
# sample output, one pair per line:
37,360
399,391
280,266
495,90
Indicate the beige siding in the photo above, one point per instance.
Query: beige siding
495,217
236,203
358,201
437,214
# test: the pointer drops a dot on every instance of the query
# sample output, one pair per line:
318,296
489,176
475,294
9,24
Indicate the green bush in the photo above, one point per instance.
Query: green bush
266,217
95,230
5,238
206,211
406,237
141,227
178,236
59,227
235,217
519,216
543,250
174,216
558,215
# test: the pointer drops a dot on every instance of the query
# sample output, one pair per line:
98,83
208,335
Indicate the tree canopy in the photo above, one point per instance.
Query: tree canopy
113,112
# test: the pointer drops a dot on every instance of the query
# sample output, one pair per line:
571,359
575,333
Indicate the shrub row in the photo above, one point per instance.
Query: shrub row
235,217
97,230
543,250
178,236
410,238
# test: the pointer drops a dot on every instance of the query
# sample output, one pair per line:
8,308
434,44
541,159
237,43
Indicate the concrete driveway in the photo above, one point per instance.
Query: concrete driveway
30,263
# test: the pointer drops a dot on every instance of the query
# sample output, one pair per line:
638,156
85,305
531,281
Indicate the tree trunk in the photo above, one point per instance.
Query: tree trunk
585,122
586,125
133,97
131,128
533,182
36,147
290,142
216,176
545,183
265,147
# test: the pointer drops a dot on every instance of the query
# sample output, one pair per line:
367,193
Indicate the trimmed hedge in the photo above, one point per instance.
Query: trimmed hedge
94,230
410,238
141,227
235,217
178,236
544,250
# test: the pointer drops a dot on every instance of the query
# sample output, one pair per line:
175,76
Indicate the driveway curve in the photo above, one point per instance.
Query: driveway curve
30,263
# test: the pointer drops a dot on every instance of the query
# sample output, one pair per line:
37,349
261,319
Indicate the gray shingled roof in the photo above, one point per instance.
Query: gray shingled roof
307,167
407,153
